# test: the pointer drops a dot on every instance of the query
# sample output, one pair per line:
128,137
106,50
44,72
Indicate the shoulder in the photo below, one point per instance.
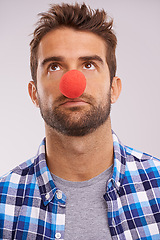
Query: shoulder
137,160
16,178
25,169
13,189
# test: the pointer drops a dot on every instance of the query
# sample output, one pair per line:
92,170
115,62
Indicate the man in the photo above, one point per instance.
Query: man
83,183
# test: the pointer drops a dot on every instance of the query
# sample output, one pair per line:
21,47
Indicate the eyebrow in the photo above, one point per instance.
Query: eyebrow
93,58
52,59
61,59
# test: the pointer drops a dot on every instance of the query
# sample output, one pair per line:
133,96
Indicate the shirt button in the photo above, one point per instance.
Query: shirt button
59,194
57,235
47,196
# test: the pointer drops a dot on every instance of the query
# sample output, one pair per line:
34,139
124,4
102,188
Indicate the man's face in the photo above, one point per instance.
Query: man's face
62,50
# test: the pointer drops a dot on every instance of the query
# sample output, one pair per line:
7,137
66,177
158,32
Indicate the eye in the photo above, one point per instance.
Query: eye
89,66
53,67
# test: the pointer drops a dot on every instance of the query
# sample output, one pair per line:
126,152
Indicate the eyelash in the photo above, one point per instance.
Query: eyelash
53,64
58,65
91,63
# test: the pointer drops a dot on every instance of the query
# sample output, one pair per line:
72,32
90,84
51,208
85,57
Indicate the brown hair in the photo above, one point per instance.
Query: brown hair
79,17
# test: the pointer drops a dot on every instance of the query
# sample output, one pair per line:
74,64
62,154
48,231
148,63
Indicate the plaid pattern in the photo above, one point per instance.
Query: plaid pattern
31,207
133,195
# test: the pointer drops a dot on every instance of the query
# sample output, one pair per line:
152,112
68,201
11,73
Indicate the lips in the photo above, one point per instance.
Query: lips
73,102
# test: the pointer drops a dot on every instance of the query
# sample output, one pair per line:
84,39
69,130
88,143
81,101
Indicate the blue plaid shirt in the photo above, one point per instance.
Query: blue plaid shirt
31,207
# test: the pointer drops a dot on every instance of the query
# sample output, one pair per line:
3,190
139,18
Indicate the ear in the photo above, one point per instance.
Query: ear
115,89
33,93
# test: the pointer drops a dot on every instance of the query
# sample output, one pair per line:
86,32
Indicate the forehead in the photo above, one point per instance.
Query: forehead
71,43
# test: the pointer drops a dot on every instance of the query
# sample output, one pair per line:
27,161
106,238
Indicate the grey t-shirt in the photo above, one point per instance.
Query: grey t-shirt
86,209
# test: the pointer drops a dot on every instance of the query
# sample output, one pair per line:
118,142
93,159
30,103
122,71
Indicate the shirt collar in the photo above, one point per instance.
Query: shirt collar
44,179
119,162
45,182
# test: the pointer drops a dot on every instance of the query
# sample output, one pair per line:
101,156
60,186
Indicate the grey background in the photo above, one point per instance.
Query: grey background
136,115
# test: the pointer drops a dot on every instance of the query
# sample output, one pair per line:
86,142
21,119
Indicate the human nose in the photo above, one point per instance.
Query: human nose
72,84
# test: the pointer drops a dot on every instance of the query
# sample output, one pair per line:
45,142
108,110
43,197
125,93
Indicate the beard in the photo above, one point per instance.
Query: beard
76,121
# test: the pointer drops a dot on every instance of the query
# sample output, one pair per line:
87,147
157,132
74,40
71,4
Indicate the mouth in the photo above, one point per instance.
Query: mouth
74,102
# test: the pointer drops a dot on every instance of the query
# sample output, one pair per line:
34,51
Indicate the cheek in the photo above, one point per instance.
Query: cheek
47,94
98,85
48,83
54,76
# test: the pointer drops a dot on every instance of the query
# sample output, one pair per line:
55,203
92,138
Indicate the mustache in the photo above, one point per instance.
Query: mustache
84,97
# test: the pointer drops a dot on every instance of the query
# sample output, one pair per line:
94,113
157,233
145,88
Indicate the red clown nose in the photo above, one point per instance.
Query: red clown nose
72,84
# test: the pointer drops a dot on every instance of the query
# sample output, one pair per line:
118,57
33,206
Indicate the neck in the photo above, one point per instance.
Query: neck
79,158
